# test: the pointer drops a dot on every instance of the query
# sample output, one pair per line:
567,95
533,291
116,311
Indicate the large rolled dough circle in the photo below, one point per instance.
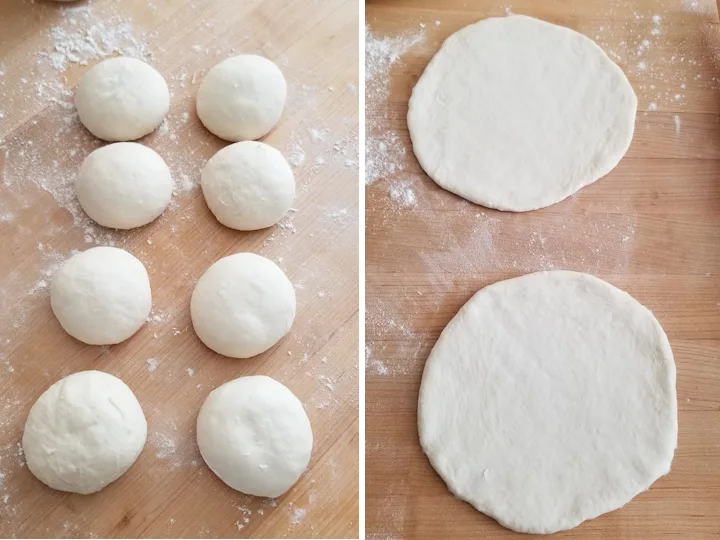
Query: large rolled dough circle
84,432
242,305
255,435
516,114
548,400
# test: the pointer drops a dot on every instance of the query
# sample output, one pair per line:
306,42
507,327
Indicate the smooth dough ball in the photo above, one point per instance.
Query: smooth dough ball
548,400
516,114
124,185
242,305
84,432
242,98
254,434
122,99
101,296
248,186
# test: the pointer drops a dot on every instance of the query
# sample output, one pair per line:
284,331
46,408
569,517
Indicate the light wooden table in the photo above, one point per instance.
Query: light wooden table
651,227
169,492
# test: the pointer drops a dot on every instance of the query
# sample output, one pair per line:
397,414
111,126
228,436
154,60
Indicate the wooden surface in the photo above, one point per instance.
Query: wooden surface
169,492
651,227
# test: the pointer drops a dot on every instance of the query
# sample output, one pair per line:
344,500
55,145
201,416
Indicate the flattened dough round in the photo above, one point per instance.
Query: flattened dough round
242,305
84,432
548,400
122,99
517,114
101,296
124,185
248,186
255,435
242,98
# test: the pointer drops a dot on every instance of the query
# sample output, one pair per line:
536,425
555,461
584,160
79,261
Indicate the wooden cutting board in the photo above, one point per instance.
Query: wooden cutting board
651,227
45,47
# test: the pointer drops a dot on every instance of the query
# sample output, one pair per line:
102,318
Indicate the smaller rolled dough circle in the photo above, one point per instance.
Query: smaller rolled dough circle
124,185
101,296
248,186
122,99
242,98
84,432
548,400
516,114
242,305
255,436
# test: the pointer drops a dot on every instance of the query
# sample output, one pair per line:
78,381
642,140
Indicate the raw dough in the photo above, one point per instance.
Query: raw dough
101,296
248,185
122,99
254,434
242,305
242,98
124,185
517,114
84,432
549,399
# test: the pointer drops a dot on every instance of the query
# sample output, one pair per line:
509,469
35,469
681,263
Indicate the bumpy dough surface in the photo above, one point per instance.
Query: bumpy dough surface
548,400
248,186
517,114
84,432
122,99
242,305
254,434
101,296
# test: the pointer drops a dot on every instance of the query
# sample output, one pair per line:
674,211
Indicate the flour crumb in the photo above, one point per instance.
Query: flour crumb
190,371
297,516
152,364
402,195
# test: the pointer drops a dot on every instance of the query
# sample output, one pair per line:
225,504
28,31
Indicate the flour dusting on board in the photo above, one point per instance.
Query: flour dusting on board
385,152
40,214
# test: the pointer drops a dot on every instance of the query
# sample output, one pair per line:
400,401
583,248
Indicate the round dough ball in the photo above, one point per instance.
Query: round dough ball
516,114
549,399
122,99
242,305
242,98
124,185
84,432
254,434
248,186
101,296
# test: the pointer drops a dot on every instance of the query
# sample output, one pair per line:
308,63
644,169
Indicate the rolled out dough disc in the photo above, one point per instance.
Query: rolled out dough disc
548,400
516,114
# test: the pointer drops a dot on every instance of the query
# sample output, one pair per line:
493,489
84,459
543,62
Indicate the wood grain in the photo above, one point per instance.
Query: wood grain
651,227
169,492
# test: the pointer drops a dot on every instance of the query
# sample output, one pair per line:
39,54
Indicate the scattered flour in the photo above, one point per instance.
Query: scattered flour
402,194
152,364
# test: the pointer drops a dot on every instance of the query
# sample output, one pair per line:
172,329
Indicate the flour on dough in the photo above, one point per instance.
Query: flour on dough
255,435
548,400
516,114
84,432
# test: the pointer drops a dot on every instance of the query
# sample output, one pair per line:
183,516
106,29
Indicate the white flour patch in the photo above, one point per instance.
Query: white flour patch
678,124
152,364
297,515
402,194
385,153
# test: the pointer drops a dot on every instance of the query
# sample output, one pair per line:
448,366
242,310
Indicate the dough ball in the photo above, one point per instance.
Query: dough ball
101,296
248,186
549,399
122,99
517,114
242,305
84,432
242,98
124,185
254,434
